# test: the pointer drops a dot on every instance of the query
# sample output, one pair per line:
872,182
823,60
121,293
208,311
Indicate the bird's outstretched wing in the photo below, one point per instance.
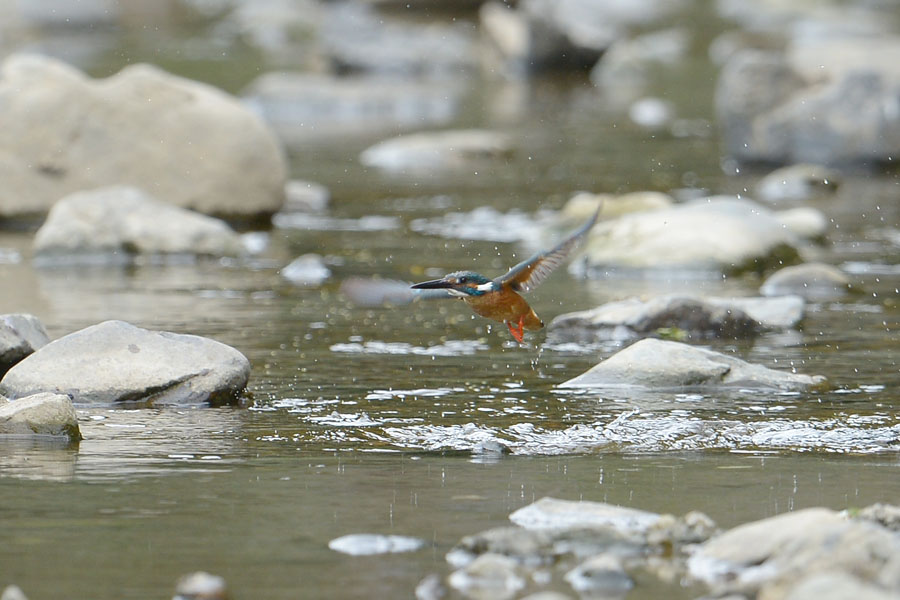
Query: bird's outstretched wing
528,274
381,292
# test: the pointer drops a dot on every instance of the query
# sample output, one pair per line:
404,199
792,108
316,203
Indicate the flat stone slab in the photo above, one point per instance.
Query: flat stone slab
652,363
40,414
115,362
549,513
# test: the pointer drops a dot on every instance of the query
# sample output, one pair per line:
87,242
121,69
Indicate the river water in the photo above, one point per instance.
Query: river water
389,420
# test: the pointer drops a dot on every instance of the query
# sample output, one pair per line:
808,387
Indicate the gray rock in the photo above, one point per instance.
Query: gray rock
438,150
674,532
40,414
20,335
652,363
751,83
114,224
688,317
306,270
564,514
842,122
793,108
355,38
667,316
64,132
716,234
886,515
546,596
488,577
631,63
601,574
115,361
797,183
303,107
534,547
775,553
201,586
814,281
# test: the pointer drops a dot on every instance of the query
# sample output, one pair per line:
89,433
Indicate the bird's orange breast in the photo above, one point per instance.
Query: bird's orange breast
505,305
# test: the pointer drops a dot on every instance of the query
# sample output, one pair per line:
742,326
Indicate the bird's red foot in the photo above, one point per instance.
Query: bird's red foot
517,332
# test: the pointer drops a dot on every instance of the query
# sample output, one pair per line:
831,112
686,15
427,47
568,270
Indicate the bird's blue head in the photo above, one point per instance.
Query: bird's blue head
460,284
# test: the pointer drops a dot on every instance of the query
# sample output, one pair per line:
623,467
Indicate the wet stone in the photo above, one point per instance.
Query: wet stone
561,514
116,224
601,574
115,362
488,577
40,414
366,544
770,556
680,317
652,363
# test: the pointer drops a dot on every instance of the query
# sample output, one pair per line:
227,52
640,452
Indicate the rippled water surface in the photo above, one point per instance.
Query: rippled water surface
424,420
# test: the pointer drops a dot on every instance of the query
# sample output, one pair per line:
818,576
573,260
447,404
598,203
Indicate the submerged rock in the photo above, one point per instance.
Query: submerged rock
436,150
115,361
40,414
20,335
114,224
814,281
64,132
719,234
13,592
652,363
583,204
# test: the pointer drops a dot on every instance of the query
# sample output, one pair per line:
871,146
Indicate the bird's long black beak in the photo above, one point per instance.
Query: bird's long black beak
434,284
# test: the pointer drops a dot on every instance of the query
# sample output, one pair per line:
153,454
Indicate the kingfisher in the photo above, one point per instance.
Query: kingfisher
500,298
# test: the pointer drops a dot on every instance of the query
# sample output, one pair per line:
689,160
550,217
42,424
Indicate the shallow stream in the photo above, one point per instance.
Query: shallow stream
425,420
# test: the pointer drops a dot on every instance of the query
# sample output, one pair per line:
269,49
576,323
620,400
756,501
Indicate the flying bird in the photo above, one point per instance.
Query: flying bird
499,299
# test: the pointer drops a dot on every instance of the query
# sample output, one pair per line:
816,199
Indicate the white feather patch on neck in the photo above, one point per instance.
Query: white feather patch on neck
485,287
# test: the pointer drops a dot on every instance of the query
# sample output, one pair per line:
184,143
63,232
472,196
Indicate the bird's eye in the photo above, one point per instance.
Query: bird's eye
464,280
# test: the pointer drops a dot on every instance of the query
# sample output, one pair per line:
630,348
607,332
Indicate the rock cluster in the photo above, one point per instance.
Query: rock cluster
109,363
601,550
